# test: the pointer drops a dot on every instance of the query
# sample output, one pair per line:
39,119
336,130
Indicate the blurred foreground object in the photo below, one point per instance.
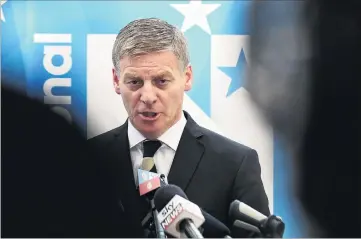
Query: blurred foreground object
303,75
50,184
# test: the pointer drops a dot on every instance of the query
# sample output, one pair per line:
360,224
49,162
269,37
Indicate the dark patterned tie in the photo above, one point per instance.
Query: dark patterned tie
149,149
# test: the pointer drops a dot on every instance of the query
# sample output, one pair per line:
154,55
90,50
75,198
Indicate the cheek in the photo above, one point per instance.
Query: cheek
129,100
173,101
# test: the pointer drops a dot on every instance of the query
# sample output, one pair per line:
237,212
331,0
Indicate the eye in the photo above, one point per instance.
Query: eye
134,82
162,81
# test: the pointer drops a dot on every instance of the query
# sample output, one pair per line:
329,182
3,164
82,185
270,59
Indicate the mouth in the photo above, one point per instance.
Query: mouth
149,115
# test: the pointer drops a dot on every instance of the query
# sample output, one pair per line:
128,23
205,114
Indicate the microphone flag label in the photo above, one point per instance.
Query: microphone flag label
149,186
144,176
147,181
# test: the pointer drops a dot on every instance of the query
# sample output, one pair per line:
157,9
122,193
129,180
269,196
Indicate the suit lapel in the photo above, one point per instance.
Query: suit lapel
188,155
125,168
124,177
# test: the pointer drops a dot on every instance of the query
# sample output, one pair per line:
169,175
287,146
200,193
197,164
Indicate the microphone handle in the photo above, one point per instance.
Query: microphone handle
189,229
158,228
247,227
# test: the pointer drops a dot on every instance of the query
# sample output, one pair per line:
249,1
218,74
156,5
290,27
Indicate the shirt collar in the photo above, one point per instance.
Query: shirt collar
171,137
135,137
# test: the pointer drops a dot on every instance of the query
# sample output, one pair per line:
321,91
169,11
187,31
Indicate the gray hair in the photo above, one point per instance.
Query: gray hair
149,35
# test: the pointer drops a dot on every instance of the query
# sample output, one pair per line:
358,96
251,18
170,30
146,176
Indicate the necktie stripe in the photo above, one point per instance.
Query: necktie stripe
150,147
148,163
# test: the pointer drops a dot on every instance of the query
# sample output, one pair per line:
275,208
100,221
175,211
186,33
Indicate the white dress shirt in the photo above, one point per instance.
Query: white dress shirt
164,156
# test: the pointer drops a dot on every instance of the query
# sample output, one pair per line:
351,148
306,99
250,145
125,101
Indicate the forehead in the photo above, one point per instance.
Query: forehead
150,64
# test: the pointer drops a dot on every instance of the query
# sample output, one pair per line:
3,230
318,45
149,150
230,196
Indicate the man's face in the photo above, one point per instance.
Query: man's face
152,88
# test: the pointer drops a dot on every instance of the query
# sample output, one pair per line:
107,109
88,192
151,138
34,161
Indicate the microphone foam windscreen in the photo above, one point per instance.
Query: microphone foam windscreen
164,194
213,228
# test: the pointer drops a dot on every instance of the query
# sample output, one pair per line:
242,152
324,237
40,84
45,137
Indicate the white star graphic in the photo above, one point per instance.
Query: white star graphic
195,13
1,12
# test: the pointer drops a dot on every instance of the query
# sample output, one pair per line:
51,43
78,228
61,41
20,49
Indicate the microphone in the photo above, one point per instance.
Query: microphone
180,217
164,179
271,226
148,183
212,228
246,226
243,212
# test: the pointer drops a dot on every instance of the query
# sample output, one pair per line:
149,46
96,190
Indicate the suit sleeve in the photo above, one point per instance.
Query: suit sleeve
248,186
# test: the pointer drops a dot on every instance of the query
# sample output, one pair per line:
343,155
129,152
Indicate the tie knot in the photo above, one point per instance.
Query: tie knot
150,147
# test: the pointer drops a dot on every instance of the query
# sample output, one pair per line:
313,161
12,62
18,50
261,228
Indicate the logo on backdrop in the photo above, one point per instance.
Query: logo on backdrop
56,46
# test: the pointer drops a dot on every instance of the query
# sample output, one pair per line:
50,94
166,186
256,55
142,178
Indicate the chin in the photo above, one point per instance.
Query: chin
149,129
151,134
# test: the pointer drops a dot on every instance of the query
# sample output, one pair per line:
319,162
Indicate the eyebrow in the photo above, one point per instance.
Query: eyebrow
166,74
131,75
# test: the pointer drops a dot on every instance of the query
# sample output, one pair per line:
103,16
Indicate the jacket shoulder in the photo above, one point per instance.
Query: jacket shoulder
106,137
218,142
226,149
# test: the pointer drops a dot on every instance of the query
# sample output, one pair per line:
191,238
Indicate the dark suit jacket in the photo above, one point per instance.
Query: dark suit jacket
211,169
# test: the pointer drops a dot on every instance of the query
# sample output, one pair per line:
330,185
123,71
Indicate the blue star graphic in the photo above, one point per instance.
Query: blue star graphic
236,73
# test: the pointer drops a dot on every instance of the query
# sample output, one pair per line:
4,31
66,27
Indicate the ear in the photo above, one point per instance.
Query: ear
189,78
116,82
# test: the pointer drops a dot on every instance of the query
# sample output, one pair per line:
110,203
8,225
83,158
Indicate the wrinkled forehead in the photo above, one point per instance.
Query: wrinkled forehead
149,64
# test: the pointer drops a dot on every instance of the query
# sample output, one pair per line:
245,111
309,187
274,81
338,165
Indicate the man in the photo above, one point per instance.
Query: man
151,73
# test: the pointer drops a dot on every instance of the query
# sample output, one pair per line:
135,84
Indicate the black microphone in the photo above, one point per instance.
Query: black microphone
271,227
148,184
246,226
212,227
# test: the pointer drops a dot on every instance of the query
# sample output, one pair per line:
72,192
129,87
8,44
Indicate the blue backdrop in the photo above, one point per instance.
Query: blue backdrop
25,52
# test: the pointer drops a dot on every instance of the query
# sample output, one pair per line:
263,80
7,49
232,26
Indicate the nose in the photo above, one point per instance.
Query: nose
148,95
